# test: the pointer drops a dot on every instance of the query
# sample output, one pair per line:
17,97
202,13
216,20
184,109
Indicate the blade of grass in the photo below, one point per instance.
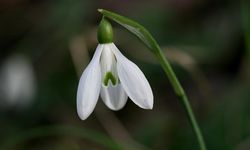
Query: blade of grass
45,131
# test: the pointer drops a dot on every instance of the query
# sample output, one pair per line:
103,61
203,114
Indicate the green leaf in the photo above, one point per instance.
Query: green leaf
134,27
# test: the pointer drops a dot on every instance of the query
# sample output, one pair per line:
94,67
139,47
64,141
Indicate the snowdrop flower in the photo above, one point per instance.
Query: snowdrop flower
18,84
111,75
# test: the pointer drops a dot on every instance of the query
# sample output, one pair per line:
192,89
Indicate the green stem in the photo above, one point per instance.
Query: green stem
183,97
245,13
245,6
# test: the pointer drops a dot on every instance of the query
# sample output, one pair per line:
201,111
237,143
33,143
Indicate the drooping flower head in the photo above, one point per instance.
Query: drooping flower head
111,75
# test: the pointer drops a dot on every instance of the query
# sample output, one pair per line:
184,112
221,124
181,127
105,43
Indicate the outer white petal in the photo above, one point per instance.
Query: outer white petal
133,81
89,86
113,96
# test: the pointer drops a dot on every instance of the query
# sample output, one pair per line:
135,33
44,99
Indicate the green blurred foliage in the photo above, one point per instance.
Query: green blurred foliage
213,33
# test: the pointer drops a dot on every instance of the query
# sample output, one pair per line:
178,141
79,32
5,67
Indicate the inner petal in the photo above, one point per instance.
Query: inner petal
108,66
113,96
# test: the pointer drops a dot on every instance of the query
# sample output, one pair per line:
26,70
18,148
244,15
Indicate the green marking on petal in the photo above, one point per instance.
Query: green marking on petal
109,76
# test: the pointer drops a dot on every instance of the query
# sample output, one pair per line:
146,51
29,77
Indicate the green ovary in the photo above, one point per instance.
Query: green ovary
109,76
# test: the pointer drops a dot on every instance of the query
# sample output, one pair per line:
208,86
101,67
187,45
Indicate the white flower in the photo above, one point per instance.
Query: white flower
18,83
114,77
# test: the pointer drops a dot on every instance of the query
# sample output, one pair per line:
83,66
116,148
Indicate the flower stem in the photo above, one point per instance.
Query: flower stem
182,95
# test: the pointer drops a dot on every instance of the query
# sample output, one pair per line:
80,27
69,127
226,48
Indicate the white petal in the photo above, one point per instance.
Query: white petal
113,96
89,86
133,81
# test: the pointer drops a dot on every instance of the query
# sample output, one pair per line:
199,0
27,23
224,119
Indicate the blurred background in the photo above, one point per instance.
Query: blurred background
45,45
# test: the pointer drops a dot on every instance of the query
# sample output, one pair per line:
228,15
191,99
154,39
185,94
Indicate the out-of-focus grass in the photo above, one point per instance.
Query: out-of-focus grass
32,134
